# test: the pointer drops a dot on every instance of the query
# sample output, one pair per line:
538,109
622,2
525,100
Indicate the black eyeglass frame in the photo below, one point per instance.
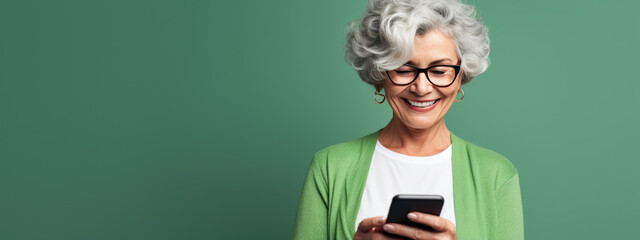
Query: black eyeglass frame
424,70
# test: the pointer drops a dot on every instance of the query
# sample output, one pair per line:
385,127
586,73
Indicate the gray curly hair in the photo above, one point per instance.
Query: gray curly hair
384,38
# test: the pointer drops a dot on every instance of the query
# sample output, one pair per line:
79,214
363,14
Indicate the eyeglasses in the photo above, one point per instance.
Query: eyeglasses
438,75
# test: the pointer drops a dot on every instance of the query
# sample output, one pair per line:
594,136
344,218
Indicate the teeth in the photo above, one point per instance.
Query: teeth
421,104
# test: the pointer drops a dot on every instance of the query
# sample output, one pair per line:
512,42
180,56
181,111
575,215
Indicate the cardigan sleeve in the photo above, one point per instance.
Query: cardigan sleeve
311,217
510,216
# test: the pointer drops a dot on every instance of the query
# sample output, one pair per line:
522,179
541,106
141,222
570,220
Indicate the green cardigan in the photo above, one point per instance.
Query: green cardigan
486,192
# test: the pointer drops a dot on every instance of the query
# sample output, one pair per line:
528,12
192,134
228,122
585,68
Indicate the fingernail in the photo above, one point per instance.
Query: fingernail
412,216
381,220
389,228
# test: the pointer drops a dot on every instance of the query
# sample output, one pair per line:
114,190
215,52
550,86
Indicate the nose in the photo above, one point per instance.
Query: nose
421,86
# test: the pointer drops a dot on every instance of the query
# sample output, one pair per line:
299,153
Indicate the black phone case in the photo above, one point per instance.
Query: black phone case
403,204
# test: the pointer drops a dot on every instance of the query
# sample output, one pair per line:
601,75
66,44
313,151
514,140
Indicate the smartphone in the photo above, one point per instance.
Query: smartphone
403,204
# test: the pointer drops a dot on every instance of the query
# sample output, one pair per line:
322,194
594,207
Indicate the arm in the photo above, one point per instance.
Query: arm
311,217
510,217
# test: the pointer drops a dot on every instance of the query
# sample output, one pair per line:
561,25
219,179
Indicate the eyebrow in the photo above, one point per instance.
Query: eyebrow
433,62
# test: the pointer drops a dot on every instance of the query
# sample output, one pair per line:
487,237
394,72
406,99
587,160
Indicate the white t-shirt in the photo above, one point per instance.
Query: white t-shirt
393,173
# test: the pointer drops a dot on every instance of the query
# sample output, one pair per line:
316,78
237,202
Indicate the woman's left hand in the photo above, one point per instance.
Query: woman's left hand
443,228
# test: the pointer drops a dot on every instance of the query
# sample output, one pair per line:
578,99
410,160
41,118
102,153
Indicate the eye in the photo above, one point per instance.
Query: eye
440,70
404,73
404,69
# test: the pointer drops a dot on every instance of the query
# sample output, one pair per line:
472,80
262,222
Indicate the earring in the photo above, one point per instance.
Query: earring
375,97
458,100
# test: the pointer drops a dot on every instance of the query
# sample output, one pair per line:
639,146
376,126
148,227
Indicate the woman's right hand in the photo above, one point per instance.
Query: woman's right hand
371,228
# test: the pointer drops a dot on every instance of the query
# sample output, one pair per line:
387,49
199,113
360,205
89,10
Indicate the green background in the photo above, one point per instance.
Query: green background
198,119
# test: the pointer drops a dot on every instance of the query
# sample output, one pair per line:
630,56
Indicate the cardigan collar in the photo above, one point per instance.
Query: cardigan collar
461,178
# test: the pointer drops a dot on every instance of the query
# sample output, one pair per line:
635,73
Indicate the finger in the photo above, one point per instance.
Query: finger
409,232
439,224
369,223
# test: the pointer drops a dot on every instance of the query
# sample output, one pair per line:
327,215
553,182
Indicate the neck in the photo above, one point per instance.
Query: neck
415,142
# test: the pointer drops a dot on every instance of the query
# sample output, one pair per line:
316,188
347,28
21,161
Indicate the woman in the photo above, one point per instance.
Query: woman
420,52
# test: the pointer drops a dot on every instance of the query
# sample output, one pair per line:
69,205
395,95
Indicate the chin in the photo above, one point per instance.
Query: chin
417,123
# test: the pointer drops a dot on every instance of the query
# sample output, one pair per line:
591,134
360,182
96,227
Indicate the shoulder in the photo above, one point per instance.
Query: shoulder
346,152
341,148
489,160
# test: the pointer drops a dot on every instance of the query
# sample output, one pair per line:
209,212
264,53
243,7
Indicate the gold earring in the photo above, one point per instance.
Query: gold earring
458,100
375,97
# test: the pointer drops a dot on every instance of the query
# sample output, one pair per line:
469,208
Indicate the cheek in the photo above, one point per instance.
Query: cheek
392,93
396,103
452,94
453,91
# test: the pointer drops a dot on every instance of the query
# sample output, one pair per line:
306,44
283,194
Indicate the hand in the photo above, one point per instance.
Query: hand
371,228
443,228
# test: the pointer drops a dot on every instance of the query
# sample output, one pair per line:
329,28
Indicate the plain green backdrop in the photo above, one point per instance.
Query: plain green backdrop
198,119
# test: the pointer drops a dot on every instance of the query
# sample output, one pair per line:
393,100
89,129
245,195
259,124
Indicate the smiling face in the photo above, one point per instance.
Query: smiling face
413,105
